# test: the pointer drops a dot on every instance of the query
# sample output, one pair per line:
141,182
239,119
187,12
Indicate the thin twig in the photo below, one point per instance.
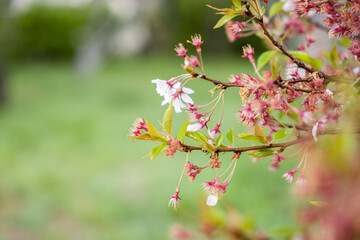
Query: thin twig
224,85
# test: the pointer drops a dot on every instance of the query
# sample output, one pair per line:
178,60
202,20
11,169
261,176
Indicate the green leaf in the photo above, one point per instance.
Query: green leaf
261,153
345,63
237,3
283,133
334,57
143,136
230,136
286,231
264,59
345,42
168,117
318,203
198,137
219,140
274,68
258,131
153,131
182,132
157,150
208,147
293,115
306,58
224,19
275,8
250,137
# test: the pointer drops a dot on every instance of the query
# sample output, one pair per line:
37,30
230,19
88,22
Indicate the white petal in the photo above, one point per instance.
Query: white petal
308,118
176,86
156,81
314,131
329,92
212,200
212,134
356,70
177,105
193,127
186,98
289,6
161,86
188,90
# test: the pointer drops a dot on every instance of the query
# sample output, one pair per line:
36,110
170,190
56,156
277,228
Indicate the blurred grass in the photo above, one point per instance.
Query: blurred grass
68,171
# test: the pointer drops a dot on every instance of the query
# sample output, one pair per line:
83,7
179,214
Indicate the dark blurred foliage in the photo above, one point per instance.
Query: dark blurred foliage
46,32
181,19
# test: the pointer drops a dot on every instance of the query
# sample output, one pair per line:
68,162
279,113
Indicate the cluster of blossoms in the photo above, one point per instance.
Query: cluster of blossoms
304,91
341,17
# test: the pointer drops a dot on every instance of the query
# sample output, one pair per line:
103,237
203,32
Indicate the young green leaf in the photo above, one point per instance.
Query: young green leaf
182,132
157,150
208,147
261,153
219,140
285,231
345,63
198,137
250,137
334,57
306,58
283,133
230,136
344,41
143,136
319,203
237,3
224,19
275,8
168,117
264,59
258,131
153,131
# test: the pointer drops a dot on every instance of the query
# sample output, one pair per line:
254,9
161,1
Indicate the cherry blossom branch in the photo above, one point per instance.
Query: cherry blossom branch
296,88
281,47
260,21
282,146
224,85
298,80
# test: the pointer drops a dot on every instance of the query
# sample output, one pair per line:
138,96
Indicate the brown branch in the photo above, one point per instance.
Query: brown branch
282,146
281,47
309,79
260,21
224,85
280,84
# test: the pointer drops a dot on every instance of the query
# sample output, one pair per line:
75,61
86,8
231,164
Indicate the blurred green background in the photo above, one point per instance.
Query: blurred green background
70,90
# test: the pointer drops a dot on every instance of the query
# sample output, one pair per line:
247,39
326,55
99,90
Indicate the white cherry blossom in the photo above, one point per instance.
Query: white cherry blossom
175,92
